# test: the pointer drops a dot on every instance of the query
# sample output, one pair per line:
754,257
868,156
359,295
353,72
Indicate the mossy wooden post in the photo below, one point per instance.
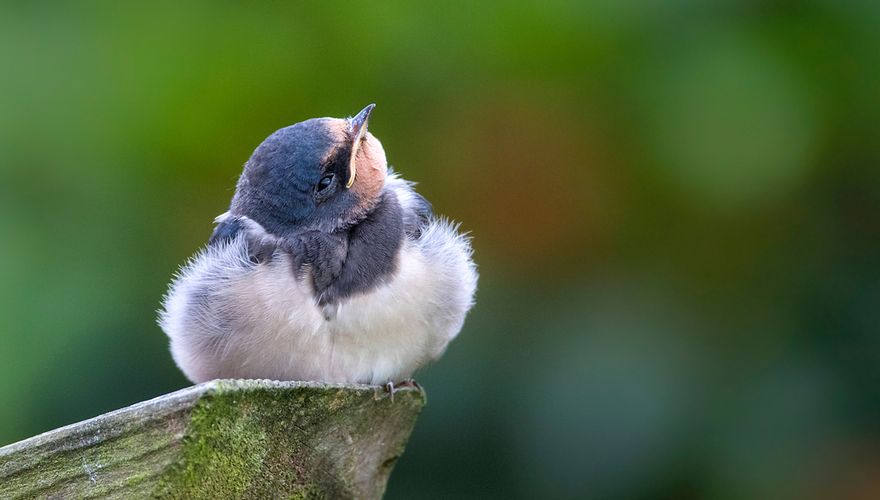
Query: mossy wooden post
223,439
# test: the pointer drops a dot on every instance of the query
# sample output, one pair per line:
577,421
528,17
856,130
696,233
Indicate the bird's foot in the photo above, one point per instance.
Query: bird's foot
411,383
391,387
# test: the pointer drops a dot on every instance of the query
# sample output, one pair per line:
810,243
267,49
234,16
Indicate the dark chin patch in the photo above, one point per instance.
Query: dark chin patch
373,248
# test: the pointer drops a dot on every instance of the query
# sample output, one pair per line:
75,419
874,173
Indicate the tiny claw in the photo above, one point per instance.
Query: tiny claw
390,389
410,383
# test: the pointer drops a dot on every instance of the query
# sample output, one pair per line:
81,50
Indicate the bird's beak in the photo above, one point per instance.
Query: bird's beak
357,129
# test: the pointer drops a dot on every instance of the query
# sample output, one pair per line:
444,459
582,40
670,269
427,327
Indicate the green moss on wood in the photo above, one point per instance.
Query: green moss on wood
223,439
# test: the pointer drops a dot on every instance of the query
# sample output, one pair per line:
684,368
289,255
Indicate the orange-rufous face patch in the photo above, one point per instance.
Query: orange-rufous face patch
368,166
371,168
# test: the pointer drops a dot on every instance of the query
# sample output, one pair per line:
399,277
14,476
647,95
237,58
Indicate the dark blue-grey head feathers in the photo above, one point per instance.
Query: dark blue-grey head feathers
320,174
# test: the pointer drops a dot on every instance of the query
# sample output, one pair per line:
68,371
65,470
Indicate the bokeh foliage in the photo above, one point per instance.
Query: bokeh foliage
674,207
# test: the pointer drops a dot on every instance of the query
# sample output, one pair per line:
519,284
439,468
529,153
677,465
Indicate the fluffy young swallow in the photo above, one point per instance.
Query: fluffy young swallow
327,267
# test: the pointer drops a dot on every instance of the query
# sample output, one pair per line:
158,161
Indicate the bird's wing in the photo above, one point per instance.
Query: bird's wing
260,244
417,211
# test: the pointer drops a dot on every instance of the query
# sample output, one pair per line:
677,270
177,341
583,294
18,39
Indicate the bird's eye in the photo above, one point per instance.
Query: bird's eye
324,183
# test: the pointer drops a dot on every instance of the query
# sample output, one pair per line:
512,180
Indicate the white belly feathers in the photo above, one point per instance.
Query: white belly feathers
279,332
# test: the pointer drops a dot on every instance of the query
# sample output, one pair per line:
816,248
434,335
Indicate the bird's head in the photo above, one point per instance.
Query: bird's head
320,174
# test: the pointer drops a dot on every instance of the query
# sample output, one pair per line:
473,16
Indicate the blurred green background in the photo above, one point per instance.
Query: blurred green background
675,208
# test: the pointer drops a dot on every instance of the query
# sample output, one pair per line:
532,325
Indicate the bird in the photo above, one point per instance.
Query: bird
327,267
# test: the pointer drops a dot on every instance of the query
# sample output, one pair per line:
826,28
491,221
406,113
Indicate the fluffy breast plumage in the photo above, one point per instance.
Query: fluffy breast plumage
228,316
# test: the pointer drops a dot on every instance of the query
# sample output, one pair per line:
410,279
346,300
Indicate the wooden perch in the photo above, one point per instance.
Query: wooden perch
223,439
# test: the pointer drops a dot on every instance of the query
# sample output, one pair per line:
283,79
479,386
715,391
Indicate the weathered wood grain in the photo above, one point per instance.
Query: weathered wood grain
223,439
